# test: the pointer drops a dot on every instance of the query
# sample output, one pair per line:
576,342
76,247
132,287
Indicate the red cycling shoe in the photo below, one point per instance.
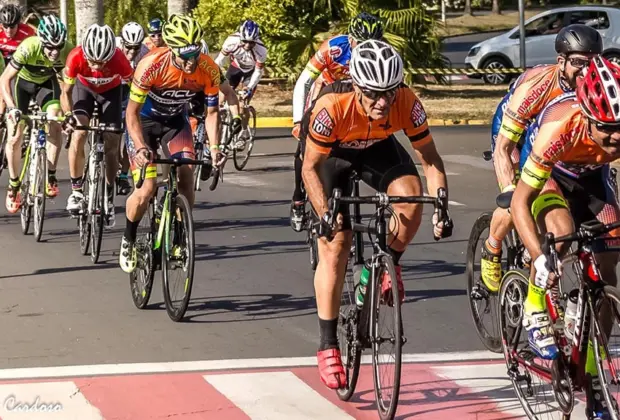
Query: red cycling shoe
331,369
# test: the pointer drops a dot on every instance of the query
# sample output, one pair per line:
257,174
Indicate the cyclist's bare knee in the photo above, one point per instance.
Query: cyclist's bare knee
146,191
335,250
558,220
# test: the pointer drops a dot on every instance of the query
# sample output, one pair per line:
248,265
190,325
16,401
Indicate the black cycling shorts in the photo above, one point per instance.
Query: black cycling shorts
110,109
45,94
378,166
235,75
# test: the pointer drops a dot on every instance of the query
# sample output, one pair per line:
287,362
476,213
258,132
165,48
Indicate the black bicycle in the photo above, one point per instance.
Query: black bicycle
166,239
359,325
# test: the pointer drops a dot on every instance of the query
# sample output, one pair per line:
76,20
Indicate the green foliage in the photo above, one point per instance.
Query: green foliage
119,12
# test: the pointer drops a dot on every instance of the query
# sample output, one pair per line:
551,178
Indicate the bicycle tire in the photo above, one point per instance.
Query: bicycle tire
385,263
249,143
83,216
215,178
350,349
3,161
145,266
613,293
181,203
312,240
96,219
26,210
490,341
38,200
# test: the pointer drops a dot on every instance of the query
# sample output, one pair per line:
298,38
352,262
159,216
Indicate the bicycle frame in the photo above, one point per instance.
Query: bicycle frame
165,214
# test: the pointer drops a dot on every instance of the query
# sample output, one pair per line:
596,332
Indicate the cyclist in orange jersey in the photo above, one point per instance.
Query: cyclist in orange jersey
351,126
535,89
155,39
565,182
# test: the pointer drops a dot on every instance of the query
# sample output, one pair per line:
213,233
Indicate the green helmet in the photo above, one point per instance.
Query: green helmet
52,31
180,32
365,26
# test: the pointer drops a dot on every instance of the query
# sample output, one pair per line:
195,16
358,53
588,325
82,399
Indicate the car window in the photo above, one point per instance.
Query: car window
594,18
546,25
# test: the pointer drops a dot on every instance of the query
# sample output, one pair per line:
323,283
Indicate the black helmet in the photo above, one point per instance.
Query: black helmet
578,38
10,15
365,26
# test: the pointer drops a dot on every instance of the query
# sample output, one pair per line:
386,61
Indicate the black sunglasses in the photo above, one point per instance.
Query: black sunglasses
375,95
607,128
579,63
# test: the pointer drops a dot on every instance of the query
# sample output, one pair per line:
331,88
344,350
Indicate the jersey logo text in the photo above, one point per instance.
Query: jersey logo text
534,95
335,51
151,70
418,115
358,144
323,123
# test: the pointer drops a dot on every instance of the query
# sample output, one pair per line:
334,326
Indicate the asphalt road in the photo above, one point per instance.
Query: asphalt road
253,292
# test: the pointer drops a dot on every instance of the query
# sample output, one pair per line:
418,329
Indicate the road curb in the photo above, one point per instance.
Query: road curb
287,122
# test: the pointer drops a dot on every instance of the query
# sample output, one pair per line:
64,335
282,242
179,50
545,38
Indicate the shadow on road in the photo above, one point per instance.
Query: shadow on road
271,169
219,252
46,271
245,203
246,223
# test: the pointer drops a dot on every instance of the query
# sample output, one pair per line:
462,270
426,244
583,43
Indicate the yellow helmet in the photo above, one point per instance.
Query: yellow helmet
181,31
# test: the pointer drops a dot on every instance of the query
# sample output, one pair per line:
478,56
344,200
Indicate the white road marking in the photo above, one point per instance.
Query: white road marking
45,400
214,365
242,180
275,396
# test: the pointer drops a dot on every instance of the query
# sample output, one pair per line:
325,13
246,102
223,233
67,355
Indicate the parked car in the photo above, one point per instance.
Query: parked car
503,51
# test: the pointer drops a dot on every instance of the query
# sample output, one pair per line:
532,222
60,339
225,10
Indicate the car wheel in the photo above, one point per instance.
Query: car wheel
496,63
614,57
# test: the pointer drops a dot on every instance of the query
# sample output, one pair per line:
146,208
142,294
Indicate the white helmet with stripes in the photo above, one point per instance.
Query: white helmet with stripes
375,65
99,43
132,34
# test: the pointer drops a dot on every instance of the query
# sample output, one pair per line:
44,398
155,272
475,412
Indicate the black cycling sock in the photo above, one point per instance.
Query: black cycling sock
76,183
395,255
51,175
110,192
14,183
131,230
328,331
297,194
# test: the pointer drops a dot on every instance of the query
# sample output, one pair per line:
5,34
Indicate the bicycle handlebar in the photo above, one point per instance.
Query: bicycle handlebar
174,162
382,200
101,128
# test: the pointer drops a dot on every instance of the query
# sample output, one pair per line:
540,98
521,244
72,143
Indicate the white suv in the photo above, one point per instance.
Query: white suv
503,51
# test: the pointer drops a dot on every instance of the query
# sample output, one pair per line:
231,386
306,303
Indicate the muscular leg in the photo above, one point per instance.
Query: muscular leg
405,222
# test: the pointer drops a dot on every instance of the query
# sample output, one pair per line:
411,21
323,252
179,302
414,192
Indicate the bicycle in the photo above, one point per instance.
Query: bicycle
3,140
33,176
230,143
358,327
199,151
482,301
567,372
90,217
166,242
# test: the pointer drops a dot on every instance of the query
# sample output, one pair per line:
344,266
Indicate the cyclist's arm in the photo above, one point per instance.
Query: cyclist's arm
313,160
433,168
66,101
219,60
261,57
502,160
212,116
520,207
5,81
134,126
300,93
231,97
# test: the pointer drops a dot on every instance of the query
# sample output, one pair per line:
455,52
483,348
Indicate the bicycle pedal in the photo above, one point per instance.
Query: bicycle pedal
479,293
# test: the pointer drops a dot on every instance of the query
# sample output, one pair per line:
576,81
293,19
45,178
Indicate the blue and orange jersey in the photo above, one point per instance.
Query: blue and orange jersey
165,89
331,61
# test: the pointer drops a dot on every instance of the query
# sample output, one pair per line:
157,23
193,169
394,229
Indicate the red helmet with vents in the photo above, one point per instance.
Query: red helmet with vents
598,91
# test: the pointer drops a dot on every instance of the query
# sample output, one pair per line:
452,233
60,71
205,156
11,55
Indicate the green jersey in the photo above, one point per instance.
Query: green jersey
33,64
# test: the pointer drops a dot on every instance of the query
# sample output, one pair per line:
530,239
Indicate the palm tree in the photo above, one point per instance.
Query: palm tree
178,7
87,12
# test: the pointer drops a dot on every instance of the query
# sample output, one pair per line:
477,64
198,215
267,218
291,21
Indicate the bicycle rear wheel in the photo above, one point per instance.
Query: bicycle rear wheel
241,156
96,218
348,318
141,279
386,390
40,187
178,255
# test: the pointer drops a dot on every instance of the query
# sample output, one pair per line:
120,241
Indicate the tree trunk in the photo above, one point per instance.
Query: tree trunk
496,10
178,7
87,12
467,10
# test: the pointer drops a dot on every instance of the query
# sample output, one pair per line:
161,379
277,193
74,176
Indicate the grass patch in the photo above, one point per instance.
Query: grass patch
470,102
467,24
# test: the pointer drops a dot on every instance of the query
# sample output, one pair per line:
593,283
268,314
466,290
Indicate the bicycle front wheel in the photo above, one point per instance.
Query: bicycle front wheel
3,161
39,193
386,334
96,220
141,279
84,218
26,209
178,259
243,148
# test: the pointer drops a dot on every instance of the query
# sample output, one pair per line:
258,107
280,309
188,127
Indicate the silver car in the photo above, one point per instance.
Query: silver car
503,51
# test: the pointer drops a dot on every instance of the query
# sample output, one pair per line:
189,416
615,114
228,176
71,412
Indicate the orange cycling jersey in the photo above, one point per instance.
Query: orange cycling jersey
165,90
563,143
331,61
337,120
534,90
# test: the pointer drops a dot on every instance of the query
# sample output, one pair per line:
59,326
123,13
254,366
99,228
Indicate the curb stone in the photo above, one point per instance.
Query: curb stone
287,122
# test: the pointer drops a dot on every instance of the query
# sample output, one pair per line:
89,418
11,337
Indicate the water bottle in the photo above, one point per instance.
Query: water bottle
570,316
360,289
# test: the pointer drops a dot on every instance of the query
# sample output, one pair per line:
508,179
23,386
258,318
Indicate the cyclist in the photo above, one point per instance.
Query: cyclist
330,63
351,126
155,39
536,88
247,61
131,44
565,182
93,74
164,82
12,31
33,74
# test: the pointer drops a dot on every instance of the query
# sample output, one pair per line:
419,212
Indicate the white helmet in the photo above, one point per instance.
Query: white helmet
375,65
99,43
205,47
132,34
